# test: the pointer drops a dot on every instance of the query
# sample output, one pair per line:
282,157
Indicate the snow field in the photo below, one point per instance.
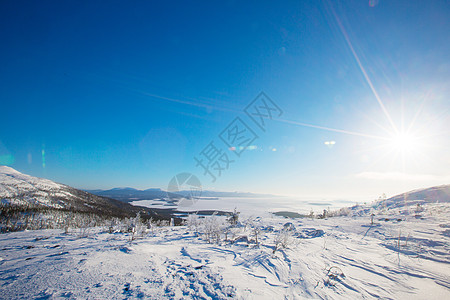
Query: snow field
334,258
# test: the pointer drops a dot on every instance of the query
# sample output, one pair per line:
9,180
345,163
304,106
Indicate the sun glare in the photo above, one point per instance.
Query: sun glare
403,141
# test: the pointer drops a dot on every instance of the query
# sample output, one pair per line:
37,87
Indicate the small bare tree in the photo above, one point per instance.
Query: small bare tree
256,232
283,239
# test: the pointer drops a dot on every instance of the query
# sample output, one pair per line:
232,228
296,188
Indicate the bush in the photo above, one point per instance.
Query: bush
283,239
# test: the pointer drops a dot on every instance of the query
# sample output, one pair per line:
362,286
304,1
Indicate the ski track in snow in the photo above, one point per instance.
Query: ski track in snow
175,263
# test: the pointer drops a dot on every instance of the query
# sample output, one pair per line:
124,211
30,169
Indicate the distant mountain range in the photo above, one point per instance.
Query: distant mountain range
128,194
27,191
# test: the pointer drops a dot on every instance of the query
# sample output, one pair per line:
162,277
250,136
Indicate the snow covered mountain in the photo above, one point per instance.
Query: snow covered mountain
25,190
437,194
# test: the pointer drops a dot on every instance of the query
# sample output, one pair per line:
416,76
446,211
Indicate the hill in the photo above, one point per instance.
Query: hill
437,194
25,191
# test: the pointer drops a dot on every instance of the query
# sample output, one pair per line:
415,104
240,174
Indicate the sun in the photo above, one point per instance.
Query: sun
403,141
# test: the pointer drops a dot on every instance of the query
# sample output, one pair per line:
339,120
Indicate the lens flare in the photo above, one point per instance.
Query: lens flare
43,157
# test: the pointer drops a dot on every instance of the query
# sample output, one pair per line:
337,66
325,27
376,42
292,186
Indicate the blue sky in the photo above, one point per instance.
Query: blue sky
100,95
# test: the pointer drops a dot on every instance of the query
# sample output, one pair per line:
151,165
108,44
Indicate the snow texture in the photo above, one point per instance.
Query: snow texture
397,257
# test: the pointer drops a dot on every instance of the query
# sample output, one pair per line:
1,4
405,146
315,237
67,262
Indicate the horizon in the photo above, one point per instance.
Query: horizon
337,99
342,199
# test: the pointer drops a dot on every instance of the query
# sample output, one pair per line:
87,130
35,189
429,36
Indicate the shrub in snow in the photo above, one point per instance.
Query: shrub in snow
213,227
234,233
84,228
256,231
234,217
125,226
345,211
113,225
162,223
150,225
342,212
252,228
138,227
324,215
192,222
283,239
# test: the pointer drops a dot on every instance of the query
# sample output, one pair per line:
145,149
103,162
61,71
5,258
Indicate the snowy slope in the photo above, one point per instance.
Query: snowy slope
19,188
25,190
437,194
335,258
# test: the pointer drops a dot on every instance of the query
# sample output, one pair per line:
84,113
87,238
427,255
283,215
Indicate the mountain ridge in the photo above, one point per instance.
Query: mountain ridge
22,190
127,194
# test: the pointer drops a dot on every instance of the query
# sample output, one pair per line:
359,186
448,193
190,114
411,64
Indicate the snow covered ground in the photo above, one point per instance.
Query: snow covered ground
398,257
253,204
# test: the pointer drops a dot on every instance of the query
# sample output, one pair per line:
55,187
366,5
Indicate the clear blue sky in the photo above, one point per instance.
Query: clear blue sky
122,93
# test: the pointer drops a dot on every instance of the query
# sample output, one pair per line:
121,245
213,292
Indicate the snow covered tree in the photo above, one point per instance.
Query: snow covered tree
234,217
192,222
283,239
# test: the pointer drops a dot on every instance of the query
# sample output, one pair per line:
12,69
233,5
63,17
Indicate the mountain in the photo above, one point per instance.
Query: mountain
19,189
130,194
436,194
127,194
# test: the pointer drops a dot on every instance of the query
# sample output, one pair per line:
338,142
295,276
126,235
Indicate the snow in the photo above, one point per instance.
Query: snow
15,184
335,258
21,189
10,177
250,204
403,251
